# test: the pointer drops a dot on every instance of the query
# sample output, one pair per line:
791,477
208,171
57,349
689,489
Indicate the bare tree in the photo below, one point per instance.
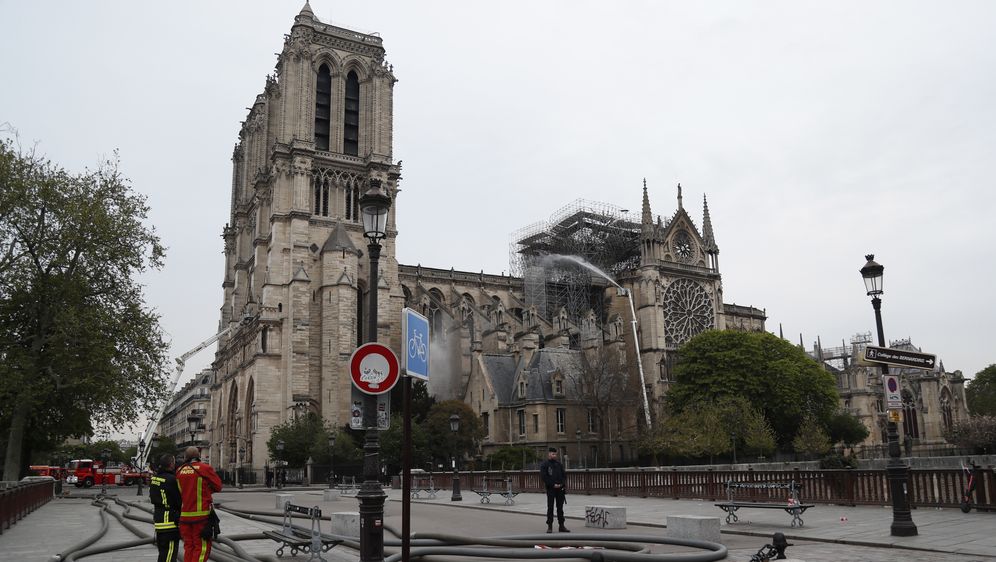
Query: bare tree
604,387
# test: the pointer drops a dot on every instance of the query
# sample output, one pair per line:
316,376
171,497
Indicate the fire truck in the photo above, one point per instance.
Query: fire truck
84,473
56,472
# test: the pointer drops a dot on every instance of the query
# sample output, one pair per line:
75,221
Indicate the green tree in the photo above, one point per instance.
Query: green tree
844,427
976,432
510,458
391,445
811,438
77,341
980,392
770,373
443,443
303,437
758,436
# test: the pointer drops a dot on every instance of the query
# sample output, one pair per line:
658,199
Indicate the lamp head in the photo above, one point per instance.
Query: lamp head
374,205
872,275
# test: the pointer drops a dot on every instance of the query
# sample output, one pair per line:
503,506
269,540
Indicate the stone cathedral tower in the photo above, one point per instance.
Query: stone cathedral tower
315,139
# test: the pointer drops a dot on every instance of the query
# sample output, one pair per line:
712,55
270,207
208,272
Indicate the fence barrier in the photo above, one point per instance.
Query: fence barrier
18,499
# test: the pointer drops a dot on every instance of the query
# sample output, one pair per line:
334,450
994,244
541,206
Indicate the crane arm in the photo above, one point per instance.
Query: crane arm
145,444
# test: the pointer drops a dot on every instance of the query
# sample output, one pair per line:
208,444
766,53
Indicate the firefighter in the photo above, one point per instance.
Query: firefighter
198,522
165,496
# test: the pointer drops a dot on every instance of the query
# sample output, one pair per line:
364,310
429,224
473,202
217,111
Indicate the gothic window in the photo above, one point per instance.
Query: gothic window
561,420
688,311
911,427
522,389
323,107
351,116
521,415
435,315
352,205
322,185
946,413
535,423
486,422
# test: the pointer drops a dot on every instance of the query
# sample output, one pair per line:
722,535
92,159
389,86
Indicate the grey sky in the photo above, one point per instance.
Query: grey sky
820,131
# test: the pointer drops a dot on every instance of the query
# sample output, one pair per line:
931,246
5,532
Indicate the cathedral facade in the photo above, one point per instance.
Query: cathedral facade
535,354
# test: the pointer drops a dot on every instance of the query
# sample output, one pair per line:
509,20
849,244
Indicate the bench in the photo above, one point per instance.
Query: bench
348,486
423,484
499,486
792,506
289,537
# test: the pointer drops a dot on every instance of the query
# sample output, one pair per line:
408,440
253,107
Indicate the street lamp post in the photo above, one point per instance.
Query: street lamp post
331,459
577,435
898,472
106,455
192,423
374,207
140,469
733,441
455,427
280,455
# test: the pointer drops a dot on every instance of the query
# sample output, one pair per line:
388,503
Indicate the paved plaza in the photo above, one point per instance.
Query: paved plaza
830,532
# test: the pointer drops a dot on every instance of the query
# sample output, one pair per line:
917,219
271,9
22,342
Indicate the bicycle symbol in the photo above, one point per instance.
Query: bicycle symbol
416,346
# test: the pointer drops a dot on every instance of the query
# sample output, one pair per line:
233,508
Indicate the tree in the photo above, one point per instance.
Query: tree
391,443
980,392
976,432
77,341
305,437
603,384
511,458
758,436
844,427
811,438
443,443
771,374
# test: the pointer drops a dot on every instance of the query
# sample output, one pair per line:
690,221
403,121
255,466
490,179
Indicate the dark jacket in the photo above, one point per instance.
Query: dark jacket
165,496
552,473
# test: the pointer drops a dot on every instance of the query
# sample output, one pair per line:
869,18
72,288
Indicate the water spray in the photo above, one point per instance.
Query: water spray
632,310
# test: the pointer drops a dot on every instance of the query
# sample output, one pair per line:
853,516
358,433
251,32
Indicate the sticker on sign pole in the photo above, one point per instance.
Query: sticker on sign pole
374,368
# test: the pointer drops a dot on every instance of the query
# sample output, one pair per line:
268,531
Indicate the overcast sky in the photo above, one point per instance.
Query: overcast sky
820,131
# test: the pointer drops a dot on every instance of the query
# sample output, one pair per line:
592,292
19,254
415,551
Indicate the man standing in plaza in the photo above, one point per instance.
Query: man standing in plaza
165,496
555,478
198,481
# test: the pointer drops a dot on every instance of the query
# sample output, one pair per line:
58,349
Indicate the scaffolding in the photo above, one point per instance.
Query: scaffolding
601,234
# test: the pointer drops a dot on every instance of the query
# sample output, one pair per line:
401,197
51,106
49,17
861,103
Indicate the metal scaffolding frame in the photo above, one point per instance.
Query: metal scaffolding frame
600,233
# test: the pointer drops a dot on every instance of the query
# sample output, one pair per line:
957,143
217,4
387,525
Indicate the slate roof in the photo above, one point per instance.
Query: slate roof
503,373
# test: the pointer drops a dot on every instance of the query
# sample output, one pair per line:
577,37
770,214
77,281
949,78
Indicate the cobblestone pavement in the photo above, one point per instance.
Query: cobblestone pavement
863,534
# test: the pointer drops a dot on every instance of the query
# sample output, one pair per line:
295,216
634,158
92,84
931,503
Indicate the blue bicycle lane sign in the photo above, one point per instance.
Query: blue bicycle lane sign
415,354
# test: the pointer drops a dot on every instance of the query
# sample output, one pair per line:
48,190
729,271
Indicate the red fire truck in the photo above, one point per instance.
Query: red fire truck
84,473
56,472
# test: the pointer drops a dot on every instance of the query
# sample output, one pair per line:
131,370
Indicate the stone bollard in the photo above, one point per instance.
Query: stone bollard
283,499
605,516
693,527
346,523
329,495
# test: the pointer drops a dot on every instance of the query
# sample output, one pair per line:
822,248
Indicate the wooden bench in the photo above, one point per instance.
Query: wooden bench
348,486
792,506
499,486
289,537
423,484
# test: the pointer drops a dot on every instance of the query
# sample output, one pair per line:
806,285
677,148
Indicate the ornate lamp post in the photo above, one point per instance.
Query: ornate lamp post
898,472
192,423
577,435
280,462
106,455
140,469
331,459
374,207
455,427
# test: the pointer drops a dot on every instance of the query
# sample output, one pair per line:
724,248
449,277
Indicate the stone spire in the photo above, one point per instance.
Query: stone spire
305,14
648,217
707,236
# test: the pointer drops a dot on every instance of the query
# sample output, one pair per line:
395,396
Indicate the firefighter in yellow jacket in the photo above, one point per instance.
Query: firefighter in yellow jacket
165,496
198,481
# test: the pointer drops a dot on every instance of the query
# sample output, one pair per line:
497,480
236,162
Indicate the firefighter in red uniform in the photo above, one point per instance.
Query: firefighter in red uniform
198,481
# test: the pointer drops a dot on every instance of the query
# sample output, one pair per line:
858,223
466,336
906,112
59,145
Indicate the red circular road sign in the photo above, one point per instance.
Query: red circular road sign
374,368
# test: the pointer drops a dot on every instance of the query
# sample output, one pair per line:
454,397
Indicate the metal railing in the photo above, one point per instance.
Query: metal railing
927,487
18,499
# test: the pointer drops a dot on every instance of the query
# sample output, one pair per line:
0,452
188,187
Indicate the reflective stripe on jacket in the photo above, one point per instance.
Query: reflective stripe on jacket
198,481
165,496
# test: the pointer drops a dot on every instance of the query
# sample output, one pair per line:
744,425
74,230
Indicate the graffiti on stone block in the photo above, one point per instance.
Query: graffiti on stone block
596,516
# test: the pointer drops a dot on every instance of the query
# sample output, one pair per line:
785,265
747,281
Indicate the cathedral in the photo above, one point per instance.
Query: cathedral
545,355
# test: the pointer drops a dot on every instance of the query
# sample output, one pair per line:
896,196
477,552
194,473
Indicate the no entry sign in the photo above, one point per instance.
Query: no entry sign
374,368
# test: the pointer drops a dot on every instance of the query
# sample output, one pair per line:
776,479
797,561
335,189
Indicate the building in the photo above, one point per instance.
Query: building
320,135
191,401
932,399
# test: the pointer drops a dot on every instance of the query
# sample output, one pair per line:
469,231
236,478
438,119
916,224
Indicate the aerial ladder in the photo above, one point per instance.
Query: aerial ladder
145,444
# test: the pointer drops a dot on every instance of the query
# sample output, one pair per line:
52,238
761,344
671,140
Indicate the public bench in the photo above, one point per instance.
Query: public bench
289,537
499,486
348,486
423,484
792,505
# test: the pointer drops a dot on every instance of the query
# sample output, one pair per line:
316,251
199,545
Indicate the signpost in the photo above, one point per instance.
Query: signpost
415,328
893,396
900,357
415,352
374,370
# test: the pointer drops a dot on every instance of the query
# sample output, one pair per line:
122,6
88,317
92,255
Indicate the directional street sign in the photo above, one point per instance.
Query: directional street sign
900,357
893,396
415,358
